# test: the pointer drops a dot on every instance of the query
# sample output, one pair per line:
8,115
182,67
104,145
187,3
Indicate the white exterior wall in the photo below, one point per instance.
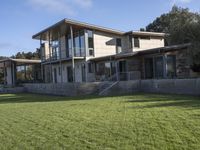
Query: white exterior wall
104,44
150,43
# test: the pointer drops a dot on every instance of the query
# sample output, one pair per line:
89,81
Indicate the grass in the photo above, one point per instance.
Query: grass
141,121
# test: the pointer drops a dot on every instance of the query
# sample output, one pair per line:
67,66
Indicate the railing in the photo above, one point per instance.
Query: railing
64,54
122,76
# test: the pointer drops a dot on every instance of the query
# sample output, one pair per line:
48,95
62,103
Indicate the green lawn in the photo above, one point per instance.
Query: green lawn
141,121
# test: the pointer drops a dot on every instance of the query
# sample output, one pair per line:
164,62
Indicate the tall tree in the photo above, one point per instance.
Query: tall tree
183,26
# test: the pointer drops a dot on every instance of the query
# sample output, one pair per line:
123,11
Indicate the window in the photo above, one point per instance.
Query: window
91,52
136,42
118,45
82,42
69,46
55,50
130,41
90,68
148,68
158,63
70,74
76,44
90,43
171,66
59,71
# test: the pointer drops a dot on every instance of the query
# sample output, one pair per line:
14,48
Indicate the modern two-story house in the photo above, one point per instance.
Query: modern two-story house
73,51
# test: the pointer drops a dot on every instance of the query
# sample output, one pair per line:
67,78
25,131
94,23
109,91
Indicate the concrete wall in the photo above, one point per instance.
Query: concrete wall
64,89
168,86
104,44
150,43
172,86
12,90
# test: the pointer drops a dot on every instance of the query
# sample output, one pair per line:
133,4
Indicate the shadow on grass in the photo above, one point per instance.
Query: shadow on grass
157,101
31,98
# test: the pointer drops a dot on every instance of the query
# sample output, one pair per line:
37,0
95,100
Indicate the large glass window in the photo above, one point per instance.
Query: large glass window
90,43
69,46
76,45
171,66
149,68
55,50
79,44
69,74
130,37
82,43
118,45
136,42
158,63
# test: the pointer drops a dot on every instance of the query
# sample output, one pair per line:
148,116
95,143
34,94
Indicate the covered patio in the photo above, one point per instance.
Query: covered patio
16,71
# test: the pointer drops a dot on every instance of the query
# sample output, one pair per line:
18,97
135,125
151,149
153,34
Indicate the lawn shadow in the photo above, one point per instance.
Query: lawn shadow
157,101
31,98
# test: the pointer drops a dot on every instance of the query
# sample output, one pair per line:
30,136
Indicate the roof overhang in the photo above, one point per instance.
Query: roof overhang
143,52
18,62
63,27
141,33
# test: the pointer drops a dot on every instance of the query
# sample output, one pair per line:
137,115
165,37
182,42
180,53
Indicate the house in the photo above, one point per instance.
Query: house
74,51
17,71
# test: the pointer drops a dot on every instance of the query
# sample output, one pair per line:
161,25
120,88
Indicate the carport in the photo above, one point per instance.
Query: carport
14,68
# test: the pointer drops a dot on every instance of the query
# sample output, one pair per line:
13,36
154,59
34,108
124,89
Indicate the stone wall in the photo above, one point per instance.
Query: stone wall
10,90
168,86
171,86
63,89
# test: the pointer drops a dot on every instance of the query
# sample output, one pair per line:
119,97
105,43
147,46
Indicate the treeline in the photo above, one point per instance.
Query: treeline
28,55
183,27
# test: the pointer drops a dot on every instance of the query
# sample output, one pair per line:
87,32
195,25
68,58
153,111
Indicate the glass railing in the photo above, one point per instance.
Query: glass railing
64,55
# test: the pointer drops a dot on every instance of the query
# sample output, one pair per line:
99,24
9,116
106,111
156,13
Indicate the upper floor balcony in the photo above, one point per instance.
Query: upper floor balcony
64,55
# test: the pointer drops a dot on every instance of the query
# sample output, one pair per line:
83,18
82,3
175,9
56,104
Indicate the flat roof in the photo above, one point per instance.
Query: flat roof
26,61
144,33
61,26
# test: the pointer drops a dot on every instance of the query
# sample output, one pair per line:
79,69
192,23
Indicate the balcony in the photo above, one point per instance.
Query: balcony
64,55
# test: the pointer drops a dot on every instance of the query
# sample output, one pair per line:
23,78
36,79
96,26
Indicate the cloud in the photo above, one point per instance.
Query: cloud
84,3
181,1
66,7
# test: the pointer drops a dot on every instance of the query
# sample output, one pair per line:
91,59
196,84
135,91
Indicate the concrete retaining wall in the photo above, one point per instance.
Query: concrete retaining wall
168,86
64,89
172,86
11,90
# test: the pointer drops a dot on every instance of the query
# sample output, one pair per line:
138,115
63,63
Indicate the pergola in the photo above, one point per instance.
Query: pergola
9,67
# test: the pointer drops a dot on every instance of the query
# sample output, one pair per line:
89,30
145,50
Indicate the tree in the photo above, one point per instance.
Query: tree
183,26
28,55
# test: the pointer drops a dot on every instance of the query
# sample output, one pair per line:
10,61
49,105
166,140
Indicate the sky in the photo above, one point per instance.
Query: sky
20,19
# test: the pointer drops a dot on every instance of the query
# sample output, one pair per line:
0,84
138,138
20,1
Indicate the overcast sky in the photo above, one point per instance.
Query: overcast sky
20,19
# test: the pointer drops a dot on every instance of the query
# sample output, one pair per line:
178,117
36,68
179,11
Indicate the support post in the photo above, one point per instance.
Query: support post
25,72
14,73
61,73
51,75
4,70
72,43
